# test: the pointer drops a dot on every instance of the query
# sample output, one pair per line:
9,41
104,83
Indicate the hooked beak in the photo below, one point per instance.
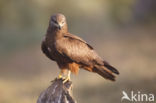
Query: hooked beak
60,26
57,25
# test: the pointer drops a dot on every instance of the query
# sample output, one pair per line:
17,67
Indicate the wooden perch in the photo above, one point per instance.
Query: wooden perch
57,92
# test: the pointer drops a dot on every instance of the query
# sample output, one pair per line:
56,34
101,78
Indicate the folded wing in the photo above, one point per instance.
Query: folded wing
80,52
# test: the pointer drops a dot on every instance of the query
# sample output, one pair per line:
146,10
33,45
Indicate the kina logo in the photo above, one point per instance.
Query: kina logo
137,97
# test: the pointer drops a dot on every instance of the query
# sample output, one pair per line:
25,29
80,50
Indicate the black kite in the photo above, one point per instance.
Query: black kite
71,52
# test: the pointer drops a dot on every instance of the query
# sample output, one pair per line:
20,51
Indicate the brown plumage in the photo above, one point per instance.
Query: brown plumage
71,52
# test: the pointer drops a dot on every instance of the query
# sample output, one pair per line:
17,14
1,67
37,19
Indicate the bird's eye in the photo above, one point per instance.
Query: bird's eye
63,22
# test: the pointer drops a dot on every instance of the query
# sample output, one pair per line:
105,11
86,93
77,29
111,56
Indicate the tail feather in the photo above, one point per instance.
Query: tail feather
111,68
105,73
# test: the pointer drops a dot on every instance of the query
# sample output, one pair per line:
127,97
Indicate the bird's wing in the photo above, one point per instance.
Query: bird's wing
77,50
45,50
77,38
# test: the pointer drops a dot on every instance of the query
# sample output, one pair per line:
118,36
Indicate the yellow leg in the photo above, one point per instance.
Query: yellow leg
61,74
68,77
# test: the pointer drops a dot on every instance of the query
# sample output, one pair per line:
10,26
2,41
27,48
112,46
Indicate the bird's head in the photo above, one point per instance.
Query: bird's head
58,21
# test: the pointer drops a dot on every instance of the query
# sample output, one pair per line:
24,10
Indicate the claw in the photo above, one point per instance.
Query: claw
60,76
67,78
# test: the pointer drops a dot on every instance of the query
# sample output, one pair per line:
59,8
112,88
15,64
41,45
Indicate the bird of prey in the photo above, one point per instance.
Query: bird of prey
71,52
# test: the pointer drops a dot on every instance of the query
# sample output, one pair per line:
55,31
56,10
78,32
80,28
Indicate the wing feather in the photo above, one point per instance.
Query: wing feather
77,50
45,50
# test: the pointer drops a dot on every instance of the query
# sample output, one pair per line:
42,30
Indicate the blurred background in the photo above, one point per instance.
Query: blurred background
123,32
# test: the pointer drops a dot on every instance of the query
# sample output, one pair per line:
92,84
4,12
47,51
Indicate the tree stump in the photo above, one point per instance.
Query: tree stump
57,92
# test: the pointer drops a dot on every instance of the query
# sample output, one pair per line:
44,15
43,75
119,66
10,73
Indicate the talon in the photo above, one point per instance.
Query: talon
59,76
68,77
